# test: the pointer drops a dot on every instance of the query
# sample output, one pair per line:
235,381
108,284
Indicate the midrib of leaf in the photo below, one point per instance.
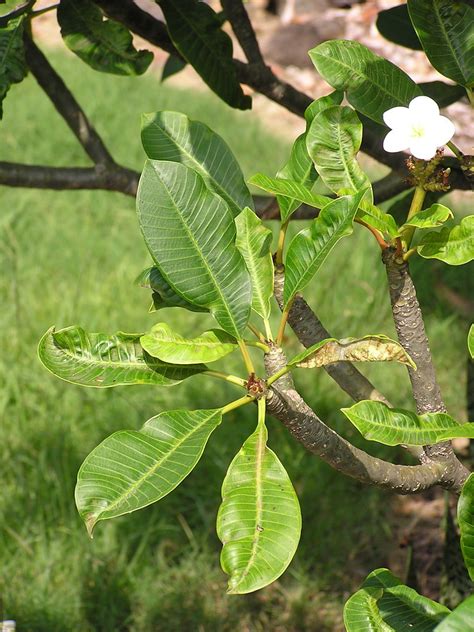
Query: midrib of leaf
198,249
410,431
254,273
184,17
93,361
100,34
258,500
445,33
187,343
360,74
153,469
344,162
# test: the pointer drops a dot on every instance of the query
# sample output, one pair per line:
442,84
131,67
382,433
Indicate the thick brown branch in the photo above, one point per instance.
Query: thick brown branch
110,177
238,17
65,103
285,403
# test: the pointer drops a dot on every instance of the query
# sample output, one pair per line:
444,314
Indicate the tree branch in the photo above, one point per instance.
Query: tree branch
285,403
65,103
238,17
110,177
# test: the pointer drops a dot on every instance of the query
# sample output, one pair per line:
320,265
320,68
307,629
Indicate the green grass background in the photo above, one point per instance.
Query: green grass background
71,258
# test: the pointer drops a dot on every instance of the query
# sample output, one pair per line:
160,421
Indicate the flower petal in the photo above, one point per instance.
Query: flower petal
396,141
423,148
397,117
445,130
424,107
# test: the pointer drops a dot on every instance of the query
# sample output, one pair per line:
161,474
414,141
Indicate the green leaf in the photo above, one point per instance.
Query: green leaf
333,140
470,341
395,426
461,619
373,348
172,66
361,613
102,360
372,84
163,293
317,106
167,345
190,233
259,521
431,217
290,189
373,216
395,25
444,28
310,247
401,607
443,93
451,245
13,68
254,241
466,523
104,45
173,136
130,470
195,30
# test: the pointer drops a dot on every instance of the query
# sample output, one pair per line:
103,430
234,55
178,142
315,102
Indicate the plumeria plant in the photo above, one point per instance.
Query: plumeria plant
212,253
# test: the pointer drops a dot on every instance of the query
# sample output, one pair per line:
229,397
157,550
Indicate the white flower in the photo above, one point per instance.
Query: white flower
419,128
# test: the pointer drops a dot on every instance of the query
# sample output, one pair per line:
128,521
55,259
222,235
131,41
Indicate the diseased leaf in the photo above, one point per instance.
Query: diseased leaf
190,233
395,426
13,68
259,520
173,136
163,293
103,361
395,25
254,241
466,523
444,28
431,217
333,140
376,348
372,84
451,245
130,470
167,345
310,247
290,189
195,30
105,45
461,619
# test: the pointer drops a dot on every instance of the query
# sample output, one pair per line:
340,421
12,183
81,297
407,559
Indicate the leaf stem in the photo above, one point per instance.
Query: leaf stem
409,253
415,207
262,406
268,329
281,243
259,345
233,379
456,151
258,334
284,318
380,240
246,356
242,401
276,376
470,94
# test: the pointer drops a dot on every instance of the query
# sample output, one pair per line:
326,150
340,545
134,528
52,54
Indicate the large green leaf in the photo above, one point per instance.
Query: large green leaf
445,30
196,32
333,140
372,84
259,521
167,345
102,360
190,233
173,136
254,242
374,348
470,341
461,619
452,245
104,45
130,470
443,93
395,25
395,426
466,523
163,293
310,247
290,189
13,66
431,217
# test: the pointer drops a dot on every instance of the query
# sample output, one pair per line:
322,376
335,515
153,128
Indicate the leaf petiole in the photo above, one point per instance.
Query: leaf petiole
284,317
415,207
276,376
237,403
246,356
281,243
233,379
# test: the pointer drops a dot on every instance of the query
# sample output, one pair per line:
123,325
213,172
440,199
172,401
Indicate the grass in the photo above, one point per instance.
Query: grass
71,257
